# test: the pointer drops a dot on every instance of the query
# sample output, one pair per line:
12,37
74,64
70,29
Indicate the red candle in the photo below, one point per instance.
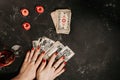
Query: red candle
25,12
26,26
39,9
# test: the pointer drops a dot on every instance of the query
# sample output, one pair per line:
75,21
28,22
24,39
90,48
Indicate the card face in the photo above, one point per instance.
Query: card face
56,47
35,43
67,53
45,43
63,19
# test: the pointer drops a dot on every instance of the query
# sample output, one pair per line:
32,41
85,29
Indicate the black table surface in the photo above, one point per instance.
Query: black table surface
94,36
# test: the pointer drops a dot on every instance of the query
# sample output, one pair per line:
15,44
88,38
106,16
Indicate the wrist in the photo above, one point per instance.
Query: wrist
18,77
37,78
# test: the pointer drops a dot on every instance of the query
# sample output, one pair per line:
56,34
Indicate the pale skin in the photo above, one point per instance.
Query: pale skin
34,66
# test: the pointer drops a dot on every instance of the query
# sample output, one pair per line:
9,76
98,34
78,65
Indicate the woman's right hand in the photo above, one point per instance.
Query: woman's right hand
51,70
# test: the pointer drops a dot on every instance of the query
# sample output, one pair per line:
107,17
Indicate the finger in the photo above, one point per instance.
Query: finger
35,55
58,74
60,67
27,56
40,58
59,62
52,59
42,66
31,54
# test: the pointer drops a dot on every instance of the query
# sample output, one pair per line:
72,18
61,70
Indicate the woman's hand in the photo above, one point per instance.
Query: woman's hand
51,70
30,65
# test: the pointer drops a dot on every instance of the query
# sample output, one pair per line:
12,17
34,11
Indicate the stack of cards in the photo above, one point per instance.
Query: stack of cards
50,46
62,19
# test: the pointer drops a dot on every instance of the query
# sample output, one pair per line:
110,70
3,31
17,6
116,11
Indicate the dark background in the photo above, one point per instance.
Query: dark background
94,36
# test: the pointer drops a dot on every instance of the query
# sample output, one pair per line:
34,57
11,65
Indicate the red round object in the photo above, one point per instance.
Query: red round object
25,12
40,9
26,26
63,20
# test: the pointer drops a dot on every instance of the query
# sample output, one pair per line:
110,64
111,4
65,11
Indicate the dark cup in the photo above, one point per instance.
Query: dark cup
6,58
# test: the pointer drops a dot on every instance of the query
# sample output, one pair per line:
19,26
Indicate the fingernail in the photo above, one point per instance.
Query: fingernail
43,60
65,63
63,57
56,53
32,48
43,52
38,47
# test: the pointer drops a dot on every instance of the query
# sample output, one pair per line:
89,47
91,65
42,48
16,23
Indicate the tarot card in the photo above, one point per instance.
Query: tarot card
67,53
56,47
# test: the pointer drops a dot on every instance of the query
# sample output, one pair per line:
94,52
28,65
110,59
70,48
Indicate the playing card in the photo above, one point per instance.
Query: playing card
45,43
56,47
54,18
66,52
50,47
63,21
35,43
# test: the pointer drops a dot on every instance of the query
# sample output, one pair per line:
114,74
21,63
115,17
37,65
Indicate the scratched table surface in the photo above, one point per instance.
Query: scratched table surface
94,36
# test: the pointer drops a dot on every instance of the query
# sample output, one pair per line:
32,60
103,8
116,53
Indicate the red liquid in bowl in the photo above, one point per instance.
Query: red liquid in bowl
6,58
